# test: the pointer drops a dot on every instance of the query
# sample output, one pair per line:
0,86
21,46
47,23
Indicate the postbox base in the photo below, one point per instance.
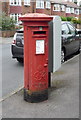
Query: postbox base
35,96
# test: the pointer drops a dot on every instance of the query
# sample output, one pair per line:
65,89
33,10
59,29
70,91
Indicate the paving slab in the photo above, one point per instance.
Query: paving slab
63,101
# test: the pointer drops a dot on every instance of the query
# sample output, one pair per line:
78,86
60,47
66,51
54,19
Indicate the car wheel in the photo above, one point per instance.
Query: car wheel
80,48
20,60
62,56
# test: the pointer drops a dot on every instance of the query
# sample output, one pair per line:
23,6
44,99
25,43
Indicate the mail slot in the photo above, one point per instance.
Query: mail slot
36,32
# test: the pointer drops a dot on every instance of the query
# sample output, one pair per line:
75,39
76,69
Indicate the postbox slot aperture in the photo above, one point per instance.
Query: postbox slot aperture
39,32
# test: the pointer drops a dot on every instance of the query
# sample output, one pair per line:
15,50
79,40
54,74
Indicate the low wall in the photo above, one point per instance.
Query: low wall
7,33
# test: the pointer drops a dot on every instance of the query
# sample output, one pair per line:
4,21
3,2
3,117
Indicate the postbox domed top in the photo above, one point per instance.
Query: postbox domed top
35,17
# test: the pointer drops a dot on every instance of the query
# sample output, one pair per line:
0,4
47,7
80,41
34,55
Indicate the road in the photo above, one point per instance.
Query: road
12,71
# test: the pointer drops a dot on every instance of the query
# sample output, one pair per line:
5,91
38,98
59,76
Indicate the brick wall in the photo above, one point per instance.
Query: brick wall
47,11
32,9
5,7
16,9
70,15
27,9
59,13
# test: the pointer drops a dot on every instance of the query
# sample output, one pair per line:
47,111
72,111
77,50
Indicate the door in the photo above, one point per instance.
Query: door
74,37
38,58
66,39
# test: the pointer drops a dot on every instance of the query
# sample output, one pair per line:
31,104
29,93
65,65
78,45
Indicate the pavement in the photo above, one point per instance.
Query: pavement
6,40
63,101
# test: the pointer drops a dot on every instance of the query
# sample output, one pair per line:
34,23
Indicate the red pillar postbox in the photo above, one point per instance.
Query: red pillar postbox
36,32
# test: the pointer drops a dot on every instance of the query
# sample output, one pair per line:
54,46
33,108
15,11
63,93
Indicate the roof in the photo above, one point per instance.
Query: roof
68,4
71,4
58,1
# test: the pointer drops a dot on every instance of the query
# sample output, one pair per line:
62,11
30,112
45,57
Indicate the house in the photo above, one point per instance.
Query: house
72,9
65,9
16,8
58,8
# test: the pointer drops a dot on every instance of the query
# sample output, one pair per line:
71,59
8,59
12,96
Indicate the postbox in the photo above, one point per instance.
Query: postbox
36,32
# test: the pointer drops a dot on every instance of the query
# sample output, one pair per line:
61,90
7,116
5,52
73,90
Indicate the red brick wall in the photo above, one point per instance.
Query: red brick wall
70,15
45,10
0,7
5,7
76,15
59,13
15,9
26,9
80,14
40,10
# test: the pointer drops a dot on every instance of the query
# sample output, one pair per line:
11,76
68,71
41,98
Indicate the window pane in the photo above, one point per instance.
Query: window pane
48,4
72,29
40,4
65,29
57,7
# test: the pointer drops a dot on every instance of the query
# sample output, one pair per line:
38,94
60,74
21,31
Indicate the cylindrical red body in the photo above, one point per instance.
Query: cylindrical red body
36,32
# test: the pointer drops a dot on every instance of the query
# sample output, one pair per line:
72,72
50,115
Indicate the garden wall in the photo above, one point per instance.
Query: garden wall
7,33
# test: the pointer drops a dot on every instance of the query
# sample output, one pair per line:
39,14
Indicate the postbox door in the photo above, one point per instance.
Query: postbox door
38,59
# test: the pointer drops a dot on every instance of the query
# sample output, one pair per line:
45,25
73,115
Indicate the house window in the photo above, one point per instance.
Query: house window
15,16
56,7
62,8
40,4
27,2
15,2
72,10
68,10
77,11
48,5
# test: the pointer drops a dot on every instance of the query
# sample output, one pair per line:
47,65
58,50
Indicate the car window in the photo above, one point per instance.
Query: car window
72,29
19,34
65,29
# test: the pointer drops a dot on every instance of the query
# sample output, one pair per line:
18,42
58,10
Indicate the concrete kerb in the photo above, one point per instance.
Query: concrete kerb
20,88
12,93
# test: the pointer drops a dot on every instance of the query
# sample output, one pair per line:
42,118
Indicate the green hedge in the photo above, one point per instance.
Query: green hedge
76,21
63,18
71,19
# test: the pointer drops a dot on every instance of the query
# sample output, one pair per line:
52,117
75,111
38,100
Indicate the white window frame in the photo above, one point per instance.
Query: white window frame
77,11
14,15
68,10
27,2
48,5
57,6
40,4
18,2
62,7
72,10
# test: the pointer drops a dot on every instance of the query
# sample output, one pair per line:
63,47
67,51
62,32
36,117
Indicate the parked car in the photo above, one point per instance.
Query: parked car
17,45
70,42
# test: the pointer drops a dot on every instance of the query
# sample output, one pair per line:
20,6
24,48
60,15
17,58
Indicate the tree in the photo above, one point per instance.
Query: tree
6,23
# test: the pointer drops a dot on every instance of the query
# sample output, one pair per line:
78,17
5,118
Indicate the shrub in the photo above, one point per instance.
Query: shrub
74,20
69,18
6,23
63,18
78,21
